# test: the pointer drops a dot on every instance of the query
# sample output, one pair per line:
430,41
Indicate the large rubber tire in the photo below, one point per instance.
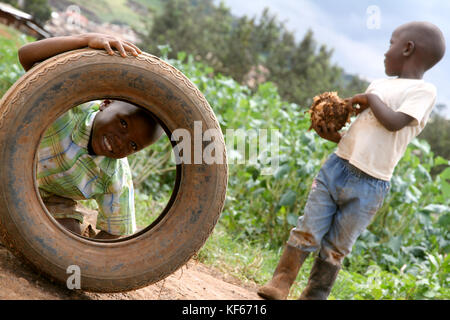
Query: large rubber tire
27,229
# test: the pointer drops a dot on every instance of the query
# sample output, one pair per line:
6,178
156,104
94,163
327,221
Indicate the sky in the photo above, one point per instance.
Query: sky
359,31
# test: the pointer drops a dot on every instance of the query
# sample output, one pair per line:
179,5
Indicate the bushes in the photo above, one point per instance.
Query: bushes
10,68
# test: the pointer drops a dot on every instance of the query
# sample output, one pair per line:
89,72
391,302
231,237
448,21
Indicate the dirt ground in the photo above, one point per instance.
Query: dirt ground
194,281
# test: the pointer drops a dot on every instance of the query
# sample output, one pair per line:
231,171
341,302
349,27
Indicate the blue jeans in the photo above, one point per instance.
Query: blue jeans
341,204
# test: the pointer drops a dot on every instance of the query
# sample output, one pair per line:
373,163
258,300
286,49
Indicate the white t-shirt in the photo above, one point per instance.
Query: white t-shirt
371,147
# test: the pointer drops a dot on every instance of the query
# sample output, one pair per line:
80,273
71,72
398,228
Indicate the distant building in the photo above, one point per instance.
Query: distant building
21,21
71,21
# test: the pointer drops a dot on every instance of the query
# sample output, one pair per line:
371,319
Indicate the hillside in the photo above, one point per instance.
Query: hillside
135,13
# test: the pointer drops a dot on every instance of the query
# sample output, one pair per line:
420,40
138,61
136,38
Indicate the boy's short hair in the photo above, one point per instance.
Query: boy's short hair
428,40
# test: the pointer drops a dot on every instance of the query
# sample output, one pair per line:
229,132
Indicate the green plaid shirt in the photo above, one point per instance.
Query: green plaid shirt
66,169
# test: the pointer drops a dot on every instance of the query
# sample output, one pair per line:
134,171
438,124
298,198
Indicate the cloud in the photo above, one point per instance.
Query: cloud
354,56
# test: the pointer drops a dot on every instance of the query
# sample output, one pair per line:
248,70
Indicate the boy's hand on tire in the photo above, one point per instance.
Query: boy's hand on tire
107,42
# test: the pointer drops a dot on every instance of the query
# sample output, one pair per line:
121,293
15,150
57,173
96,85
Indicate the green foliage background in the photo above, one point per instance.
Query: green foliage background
10,68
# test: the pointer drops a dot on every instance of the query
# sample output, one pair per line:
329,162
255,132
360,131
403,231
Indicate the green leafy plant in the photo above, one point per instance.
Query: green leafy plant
10,68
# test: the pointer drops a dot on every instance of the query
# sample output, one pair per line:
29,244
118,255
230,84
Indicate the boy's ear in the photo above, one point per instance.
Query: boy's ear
409,48
104,104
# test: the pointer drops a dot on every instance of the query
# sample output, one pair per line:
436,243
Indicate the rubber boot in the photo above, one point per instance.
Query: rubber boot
321,280
285,273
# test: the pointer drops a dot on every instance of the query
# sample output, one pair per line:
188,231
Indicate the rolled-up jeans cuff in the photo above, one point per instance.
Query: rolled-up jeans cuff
296,242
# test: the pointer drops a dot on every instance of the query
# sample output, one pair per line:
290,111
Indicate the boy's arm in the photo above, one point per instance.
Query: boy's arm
38,51
390,119
116,214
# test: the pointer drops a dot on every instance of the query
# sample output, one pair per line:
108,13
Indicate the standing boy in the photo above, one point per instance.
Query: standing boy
353,182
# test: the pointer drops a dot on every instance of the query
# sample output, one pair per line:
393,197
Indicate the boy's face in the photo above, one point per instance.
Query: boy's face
394,58
120,129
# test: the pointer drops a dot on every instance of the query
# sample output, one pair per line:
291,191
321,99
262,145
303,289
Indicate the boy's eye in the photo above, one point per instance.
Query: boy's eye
123,123
134,146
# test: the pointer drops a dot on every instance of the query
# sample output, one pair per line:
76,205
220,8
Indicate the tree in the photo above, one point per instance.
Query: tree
201,30
39,9
239,47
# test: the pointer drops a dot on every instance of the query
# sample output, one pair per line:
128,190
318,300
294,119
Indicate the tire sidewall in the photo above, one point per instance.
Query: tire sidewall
45,93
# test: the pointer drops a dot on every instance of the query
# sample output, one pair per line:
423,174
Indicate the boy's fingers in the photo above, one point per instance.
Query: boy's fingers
314,127
108,48
133,45
347,102
349,105
136,48
332,127
130,49
118,45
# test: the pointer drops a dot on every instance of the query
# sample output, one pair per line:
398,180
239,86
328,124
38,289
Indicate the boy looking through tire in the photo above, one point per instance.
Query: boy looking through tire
82,155
351,185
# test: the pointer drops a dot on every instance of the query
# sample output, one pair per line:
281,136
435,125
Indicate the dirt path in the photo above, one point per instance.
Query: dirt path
193,281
